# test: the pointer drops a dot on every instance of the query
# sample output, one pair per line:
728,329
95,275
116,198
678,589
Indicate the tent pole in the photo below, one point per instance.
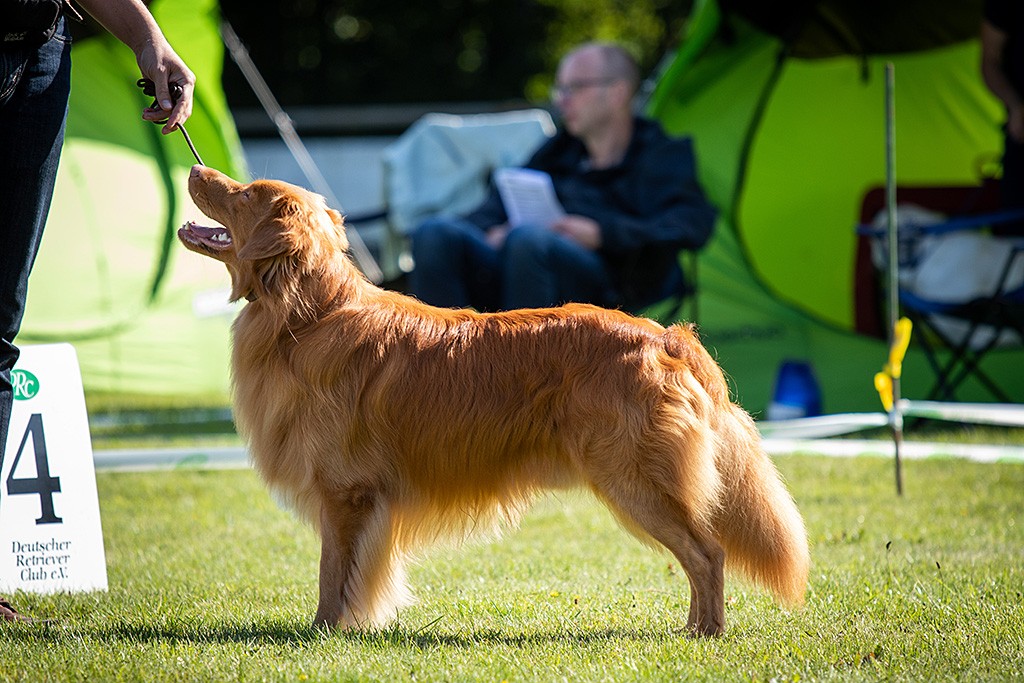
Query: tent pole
895,414
291,138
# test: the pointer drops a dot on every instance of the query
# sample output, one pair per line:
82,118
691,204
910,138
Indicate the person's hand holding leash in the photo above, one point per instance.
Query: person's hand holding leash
162,66
157,60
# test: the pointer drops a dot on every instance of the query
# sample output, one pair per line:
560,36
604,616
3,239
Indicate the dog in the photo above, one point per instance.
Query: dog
388,423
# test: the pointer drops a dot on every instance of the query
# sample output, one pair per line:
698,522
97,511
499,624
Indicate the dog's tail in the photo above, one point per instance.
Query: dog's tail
752,514
758,523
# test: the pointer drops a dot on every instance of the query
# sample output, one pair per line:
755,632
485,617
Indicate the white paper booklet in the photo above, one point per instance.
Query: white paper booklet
529,197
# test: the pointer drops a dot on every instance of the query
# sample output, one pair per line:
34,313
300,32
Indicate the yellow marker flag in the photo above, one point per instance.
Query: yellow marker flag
894,368
883,385
900,342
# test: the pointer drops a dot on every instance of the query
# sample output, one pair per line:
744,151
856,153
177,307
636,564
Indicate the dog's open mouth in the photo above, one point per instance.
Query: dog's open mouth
212,239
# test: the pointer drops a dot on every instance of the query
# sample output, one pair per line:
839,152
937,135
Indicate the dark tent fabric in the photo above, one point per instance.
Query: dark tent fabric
786,103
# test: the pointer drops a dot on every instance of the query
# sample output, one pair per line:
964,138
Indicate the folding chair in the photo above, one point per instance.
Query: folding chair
956,329
443,164
986,319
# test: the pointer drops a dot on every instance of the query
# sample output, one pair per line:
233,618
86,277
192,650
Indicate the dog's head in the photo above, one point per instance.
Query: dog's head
270,230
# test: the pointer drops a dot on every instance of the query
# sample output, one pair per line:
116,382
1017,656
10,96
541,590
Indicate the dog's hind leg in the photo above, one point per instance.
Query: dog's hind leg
665,520
361,576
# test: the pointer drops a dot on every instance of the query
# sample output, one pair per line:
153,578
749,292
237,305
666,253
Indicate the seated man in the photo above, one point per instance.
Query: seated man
630,194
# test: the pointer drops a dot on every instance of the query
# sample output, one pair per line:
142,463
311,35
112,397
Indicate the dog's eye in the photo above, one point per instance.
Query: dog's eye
246,193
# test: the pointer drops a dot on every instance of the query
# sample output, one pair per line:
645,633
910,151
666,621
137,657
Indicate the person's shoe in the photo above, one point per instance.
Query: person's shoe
8,612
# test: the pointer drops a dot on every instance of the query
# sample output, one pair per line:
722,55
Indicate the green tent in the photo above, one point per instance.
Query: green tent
786,103
146,317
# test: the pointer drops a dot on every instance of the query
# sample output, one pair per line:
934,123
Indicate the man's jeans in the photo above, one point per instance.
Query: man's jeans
456,267
34,88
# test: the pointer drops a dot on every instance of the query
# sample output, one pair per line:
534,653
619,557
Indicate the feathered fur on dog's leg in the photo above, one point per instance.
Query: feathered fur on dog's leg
362,581
664,485
343,519
376,587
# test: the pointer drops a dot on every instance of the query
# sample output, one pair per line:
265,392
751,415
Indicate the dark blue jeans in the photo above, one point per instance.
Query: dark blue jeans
455,267
34,88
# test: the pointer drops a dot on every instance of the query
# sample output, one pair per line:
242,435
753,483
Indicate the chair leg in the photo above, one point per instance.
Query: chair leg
963,363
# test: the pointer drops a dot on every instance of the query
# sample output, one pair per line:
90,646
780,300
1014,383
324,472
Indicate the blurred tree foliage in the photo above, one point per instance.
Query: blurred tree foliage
344,52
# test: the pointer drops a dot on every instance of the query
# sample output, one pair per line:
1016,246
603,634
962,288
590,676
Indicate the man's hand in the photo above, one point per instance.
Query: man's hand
1015,123
580,229
496,235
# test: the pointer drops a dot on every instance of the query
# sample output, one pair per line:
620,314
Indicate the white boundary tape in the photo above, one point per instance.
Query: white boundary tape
913,450
171,458
238,457
821,426
1004,414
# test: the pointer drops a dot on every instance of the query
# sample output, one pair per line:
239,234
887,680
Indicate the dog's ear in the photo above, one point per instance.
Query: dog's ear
269,238
339,224
278,232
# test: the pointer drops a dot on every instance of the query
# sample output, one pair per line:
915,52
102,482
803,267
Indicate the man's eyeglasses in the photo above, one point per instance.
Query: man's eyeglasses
569,89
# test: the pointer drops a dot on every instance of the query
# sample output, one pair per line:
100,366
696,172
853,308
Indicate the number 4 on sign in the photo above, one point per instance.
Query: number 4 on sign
51,539
42,485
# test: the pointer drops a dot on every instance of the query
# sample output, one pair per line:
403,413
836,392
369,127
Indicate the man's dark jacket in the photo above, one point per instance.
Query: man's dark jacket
649,206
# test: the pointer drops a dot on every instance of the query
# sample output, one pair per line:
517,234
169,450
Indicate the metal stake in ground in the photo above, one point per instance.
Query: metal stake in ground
895,414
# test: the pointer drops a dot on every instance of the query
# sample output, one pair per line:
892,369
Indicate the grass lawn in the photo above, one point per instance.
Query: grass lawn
209,580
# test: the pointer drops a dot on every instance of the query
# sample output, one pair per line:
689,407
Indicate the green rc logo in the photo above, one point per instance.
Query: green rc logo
26,385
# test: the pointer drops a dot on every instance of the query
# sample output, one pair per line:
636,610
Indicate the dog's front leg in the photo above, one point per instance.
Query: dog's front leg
343,521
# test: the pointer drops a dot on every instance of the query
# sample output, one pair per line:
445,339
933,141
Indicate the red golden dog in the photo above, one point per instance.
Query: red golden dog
389,423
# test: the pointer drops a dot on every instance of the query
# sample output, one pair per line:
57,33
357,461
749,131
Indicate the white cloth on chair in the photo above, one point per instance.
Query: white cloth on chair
950,268
443,163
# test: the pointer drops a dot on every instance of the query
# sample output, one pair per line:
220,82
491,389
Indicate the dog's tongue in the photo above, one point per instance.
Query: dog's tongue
217,236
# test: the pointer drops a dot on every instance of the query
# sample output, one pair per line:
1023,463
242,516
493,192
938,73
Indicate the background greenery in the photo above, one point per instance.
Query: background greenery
334,52
209,580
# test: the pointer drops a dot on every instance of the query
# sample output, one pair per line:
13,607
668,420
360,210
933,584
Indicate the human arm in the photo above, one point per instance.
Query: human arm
130,22
993,44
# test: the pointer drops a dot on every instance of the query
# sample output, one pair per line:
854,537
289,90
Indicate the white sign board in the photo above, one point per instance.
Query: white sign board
50,534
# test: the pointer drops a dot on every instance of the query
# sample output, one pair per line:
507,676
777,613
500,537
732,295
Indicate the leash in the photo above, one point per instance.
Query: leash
149,89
